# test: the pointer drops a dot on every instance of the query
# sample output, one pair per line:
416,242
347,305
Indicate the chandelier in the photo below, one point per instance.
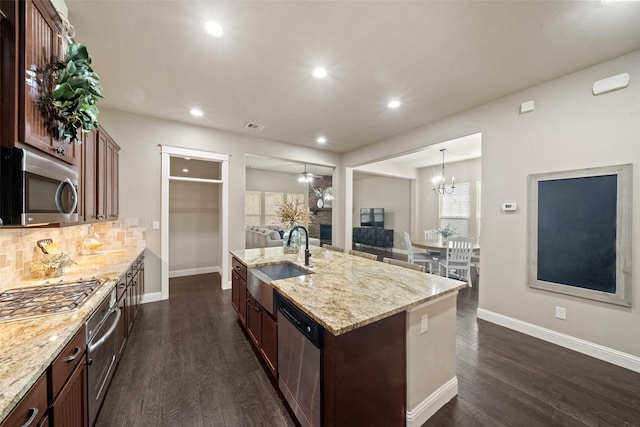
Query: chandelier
305,176
439,186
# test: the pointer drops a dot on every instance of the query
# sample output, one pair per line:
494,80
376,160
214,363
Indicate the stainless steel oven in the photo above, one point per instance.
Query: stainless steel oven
101,353
36,190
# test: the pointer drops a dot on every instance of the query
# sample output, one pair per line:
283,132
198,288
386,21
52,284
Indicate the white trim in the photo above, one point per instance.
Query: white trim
429,406
166,152
205,180
597,351
195,271
152,297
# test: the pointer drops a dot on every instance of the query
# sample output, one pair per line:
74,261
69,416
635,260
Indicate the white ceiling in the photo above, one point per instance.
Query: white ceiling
436,57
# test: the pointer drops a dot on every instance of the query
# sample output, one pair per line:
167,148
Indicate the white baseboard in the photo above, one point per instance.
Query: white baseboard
226,285
425,409
151,297
194,271
598,351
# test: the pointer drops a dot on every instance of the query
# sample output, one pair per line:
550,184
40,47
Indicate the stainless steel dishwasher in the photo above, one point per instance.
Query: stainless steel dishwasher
300,362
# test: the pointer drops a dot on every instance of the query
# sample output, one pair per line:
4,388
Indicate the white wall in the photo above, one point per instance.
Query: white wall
392,194
194,218
428,202
140,180
569,129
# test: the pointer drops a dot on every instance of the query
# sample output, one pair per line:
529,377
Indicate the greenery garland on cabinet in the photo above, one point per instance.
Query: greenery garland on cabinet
69,92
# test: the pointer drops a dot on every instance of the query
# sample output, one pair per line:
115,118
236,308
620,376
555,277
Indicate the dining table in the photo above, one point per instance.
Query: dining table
439,245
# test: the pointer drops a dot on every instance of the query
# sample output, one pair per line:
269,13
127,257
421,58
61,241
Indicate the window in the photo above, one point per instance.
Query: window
454,210
271,203
252,207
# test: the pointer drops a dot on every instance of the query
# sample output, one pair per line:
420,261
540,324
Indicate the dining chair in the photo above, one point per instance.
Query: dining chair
420,257
433,234
333,248
404,264
458,259
367,255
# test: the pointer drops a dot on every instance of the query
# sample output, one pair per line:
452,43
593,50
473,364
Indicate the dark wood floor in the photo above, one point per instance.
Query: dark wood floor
188,364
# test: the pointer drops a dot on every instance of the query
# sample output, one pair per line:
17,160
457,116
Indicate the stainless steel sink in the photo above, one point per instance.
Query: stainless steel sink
259,281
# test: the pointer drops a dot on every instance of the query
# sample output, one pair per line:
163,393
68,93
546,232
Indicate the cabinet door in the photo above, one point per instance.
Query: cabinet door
254,321
64,365
269,345
70,408
242,302
112,202
235,291
101,175
43,44
88,183
31,408
121,330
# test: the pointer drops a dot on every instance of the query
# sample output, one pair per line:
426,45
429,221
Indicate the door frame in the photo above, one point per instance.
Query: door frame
166,153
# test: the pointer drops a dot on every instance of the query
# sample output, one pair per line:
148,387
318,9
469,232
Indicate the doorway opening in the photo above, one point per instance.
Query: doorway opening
194,214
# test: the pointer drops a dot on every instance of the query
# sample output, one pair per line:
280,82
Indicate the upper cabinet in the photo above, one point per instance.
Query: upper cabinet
32,36
99,193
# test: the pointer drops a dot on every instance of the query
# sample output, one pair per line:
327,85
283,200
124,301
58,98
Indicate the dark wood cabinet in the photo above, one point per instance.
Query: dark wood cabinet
32,37
261,328
373,236
239,290
269,342
100,182
123,325
68,384
364,375
32,408
70,407
135,290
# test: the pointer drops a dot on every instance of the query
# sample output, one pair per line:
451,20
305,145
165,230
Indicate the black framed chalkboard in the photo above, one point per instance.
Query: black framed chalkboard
580,233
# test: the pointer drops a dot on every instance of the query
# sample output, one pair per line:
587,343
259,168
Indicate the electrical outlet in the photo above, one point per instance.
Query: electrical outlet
561,313
156,225
424,323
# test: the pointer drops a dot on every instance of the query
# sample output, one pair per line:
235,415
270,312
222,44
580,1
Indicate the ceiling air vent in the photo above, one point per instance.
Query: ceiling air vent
254,126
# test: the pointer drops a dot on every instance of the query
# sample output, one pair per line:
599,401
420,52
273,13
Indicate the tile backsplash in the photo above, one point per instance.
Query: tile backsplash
18,247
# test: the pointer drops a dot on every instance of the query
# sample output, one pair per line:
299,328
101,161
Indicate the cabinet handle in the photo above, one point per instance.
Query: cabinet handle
75,354
32,417
59,150
237,267
100,217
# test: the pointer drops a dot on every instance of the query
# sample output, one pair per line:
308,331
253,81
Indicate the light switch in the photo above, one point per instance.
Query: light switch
156,225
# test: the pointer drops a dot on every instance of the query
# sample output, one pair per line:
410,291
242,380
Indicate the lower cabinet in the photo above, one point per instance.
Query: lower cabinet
70,407
32,409
255,320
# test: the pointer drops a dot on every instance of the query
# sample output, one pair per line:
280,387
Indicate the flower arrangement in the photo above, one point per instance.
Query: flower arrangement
446,232
292,212
54,264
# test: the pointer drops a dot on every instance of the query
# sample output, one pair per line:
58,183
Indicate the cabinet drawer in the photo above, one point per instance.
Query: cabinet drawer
31,408
65,363
239,268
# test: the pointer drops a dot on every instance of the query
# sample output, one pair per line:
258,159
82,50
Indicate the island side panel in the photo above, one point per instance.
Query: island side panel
364,375
431,358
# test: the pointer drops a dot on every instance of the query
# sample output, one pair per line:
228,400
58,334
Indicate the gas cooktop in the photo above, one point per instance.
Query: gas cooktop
49,298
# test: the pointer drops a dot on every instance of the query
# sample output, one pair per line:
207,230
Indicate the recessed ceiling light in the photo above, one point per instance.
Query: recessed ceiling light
393,103
196,112
185,170
213,29
319,73
321,140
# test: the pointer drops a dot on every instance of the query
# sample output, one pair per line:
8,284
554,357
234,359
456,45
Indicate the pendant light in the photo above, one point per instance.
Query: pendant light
439,186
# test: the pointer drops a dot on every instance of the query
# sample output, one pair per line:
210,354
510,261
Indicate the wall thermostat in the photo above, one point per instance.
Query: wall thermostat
509,207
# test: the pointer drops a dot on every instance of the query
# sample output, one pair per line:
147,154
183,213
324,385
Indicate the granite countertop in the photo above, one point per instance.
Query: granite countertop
27,347
347,292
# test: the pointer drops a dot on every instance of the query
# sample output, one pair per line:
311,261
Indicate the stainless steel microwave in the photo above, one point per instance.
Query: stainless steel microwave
35,190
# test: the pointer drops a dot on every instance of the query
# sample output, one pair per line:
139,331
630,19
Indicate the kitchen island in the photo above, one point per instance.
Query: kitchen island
396,324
